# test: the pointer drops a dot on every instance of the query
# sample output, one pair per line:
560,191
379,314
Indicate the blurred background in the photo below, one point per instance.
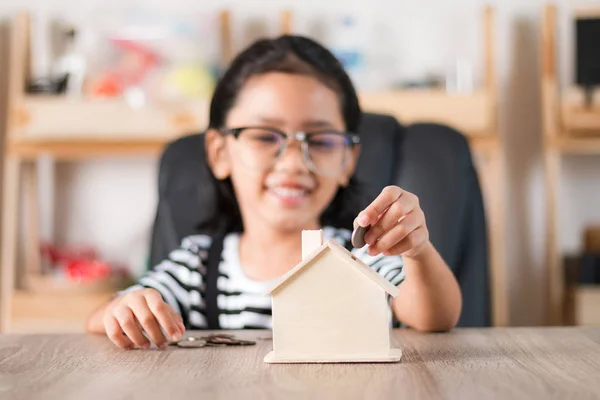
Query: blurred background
91,91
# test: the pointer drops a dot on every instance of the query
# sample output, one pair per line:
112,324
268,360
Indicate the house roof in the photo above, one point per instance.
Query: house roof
334,246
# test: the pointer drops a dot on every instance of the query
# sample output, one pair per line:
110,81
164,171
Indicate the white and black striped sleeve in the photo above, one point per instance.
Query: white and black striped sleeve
389,267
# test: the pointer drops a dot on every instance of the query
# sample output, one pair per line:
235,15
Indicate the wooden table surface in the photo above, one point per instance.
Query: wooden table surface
511,363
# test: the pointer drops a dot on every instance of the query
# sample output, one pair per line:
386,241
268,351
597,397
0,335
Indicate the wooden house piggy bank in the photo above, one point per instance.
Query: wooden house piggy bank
331,307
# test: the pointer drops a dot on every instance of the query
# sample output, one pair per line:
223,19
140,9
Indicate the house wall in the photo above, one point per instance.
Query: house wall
329,308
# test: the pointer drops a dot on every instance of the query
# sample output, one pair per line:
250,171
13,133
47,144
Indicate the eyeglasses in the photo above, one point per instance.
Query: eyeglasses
325,152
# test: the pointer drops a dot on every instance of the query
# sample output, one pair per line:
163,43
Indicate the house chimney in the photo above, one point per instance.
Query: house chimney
311,240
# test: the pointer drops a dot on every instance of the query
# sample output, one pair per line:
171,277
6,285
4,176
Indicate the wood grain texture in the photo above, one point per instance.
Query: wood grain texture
226,38
468,113
551,126
556,284
491,82
33,256
286,22
351,325
575,146
52,311
587,298
311,241
490,167
591,238
10,208
58,119
511,363
579,119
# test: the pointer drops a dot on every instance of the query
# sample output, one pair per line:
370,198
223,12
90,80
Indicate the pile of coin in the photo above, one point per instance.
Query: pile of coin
212,340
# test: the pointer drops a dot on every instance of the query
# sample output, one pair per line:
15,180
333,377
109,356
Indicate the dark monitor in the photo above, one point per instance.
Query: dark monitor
587,53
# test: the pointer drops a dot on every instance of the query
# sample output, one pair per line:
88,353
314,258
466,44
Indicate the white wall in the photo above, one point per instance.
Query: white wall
100,204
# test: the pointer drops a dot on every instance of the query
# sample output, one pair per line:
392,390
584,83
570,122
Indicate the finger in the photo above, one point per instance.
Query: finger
129,325
398,232
115,333
405,205
415,239
147,320
164,316
154,297
386,198
179,321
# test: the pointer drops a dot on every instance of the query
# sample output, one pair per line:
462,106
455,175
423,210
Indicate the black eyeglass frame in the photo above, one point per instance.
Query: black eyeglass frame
353,140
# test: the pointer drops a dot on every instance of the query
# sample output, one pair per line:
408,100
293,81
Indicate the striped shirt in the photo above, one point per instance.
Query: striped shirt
243,303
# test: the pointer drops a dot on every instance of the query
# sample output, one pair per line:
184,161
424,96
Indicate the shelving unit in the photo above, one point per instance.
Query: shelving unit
569,128
117,128
476,116
93,128
67,129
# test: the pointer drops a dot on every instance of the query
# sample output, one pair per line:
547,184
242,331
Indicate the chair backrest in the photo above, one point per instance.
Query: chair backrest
430,160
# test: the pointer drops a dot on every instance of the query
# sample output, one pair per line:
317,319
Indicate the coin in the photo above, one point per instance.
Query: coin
358,236
246,342
225,340
192,342
211,344
212,340
230,341
222,335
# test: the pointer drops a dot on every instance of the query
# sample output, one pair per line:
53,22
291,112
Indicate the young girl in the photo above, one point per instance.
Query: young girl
282,146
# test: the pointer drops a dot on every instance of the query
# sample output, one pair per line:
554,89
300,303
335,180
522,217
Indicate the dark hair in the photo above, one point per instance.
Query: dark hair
294,55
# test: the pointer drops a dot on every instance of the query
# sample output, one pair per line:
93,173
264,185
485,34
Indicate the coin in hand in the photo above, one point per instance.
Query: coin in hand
358,236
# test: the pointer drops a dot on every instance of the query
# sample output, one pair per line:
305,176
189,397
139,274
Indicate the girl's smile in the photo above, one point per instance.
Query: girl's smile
290,192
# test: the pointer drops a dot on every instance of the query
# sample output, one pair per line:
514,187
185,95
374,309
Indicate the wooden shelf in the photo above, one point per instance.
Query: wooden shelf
45,284
85,149
587,298
472,114
53,312
569,128
47,305
59,119
577,119
485,143
76,129
575,145
71,129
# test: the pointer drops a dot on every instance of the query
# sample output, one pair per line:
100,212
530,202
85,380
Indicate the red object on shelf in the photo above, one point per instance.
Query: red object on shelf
81,264
87,270
107,86
59,255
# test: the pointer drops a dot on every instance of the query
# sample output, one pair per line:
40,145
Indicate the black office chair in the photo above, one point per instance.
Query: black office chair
432,161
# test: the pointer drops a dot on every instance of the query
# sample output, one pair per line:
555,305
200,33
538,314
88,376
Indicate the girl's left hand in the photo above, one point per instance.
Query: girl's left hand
397,224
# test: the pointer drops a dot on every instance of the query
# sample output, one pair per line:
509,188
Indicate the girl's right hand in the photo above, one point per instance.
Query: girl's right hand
140,311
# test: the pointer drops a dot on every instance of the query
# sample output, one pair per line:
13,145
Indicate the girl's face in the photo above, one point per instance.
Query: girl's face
282,192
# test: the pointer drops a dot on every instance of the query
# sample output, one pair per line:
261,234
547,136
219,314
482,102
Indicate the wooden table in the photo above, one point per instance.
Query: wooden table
512,363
